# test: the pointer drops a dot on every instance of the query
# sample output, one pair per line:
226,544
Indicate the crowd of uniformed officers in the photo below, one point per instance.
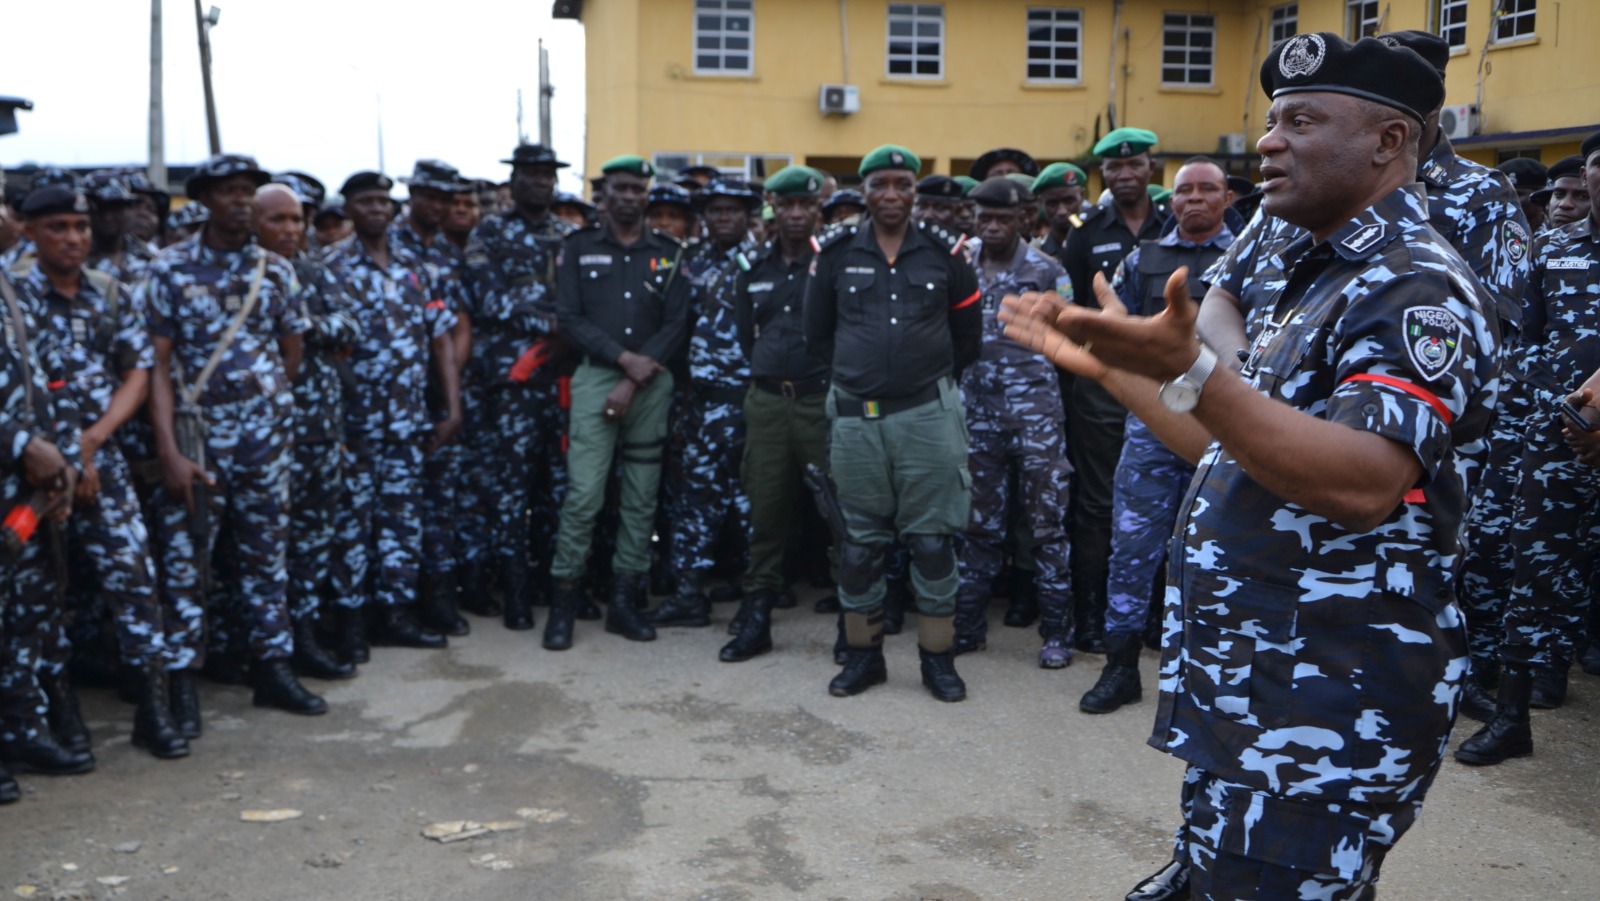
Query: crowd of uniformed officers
309,425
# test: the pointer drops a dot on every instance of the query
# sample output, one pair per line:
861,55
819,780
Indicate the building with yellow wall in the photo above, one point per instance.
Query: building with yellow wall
739,84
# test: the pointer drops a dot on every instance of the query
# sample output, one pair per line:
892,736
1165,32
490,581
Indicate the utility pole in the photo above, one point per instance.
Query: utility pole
203,24
545,93
158,120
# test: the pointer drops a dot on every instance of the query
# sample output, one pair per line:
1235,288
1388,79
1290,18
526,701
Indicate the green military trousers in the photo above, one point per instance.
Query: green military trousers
782,435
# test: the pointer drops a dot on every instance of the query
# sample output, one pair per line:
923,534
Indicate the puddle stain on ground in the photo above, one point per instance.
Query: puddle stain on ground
764,858
799,732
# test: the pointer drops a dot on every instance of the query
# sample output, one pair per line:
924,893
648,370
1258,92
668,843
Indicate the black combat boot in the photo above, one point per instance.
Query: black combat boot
43,754
185,702
972,625
935,635
474,582
1089,611
1510,733
66,720
863,663
519,592
276,686
622,613
563,609
689,607
841,644
1477,696
724,594
1024,609
10,792
1055,634
351,645
755,632
399,628
310,660
1590,661
437,607
1119,681
1549,686
1170,883
153,727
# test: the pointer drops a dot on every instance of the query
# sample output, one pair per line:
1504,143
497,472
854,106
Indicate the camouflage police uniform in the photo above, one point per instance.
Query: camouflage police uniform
398,311
1310,674
192,295
1014,422
33,368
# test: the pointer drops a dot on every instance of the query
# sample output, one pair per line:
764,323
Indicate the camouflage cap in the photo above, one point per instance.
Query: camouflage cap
731,188
671,194
221,166
309,190
845,197
435,175
107,188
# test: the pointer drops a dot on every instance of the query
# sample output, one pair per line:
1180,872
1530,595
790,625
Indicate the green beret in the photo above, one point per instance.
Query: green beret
1158,193
1059,175
794,181
1021,178
889,156
1125,142
631,164
967,183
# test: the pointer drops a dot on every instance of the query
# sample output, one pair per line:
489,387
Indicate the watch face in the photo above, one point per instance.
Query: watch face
1179,398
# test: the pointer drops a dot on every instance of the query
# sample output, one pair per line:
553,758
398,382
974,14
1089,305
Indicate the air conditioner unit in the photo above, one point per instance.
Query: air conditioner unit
839,99
1459,120
1232,144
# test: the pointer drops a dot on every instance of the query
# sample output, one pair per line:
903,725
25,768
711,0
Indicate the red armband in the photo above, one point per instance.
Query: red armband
1402,385
968,302
22,521
530,361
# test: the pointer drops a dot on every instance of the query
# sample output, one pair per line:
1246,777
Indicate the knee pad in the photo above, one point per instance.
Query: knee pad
860,567
933,556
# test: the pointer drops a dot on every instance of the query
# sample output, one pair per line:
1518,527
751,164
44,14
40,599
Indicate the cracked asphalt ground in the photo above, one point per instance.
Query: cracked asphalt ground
627,771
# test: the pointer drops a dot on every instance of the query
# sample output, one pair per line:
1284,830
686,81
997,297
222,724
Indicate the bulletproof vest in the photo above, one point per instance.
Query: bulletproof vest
1157,262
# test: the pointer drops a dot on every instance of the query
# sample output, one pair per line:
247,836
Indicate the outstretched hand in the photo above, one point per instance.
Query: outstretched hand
1160,347
1032,319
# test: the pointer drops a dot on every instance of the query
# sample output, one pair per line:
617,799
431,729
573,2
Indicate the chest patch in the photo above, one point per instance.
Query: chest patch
1515,240
1433,339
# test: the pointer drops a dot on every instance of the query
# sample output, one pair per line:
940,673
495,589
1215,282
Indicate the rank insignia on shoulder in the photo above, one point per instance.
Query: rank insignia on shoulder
1076,220
1365,238
830,236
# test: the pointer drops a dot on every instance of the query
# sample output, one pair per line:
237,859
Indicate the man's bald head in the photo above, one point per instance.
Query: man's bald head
280,220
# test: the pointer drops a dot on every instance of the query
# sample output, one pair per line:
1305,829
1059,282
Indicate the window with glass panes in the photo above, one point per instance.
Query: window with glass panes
1360,19
1188,44
1285,22
916,40
1515,20
723,35
1450,21
1055,44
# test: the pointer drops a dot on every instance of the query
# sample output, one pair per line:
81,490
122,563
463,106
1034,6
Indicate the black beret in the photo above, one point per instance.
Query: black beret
362,182
1241,186
1429,46
332,209
1566,167
1368,69
668,194
1590,145
1525,172
53,200
224,165
1000,191
732,188
940,186
707,171
982,165
534,155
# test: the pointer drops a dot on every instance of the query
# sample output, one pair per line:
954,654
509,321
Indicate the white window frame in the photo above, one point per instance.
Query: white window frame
1358,14
724,10
667,162
1053,17
1450,15
917,14
1521,17
1188,27
1283,23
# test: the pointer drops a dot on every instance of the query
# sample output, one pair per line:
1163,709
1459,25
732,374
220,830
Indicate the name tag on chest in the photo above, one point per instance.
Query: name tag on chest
1113,247
1569,263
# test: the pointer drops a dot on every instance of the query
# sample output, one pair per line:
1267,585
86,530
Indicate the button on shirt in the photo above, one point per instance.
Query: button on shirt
192,296
1313,660
612,297
399,313
771,311
892,329
97,348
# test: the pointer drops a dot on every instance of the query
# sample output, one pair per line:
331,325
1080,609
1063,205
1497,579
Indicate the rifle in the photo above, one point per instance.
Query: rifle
189,428
827,502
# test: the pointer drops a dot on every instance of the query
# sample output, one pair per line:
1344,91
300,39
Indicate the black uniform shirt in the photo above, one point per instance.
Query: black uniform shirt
1101,244
891,329
612,297
771,308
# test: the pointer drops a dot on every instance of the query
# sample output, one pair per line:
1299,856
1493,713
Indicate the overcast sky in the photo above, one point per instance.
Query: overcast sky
298,83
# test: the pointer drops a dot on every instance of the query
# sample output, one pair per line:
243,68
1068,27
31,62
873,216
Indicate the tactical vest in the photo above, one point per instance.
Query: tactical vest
1158,261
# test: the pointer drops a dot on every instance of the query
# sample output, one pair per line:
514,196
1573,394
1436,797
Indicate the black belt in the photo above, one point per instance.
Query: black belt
877,409
719,394
793,389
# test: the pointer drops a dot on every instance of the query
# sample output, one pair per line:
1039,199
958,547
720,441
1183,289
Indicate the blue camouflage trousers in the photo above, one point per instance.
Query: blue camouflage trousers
380,523
1246,845
1558,529
1150,483
1488,555
524,473
712,496
28,602
1032,460
316,486
247,452
110,538
441,472
476,489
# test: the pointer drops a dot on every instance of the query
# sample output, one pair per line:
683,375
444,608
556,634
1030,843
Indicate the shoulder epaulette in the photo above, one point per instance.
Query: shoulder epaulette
679,242
1092,213
952,241
832,235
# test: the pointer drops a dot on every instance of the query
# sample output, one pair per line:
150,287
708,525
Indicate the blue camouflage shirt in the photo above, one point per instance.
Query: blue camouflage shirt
1009,384
1561,319
332,331
508,288
715,356
1311,660
97,348
32,367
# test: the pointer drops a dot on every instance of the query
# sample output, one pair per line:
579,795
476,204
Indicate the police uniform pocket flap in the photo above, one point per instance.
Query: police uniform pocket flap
1278,352
857,279
1299,835
1249,607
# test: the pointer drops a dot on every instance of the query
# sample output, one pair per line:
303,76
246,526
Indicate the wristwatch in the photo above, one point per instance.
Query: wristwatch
1182,393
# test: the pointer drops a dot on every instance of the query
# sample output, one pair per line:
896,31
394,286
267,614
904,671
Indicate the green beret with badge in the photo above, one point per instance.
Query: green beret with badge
889,156
1059,175
794,181
1125,142
632,164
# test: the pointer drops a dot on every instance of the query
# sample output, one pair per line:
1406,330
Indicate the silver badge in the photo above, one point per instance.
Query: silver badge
1303,56
1364,238
896,158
